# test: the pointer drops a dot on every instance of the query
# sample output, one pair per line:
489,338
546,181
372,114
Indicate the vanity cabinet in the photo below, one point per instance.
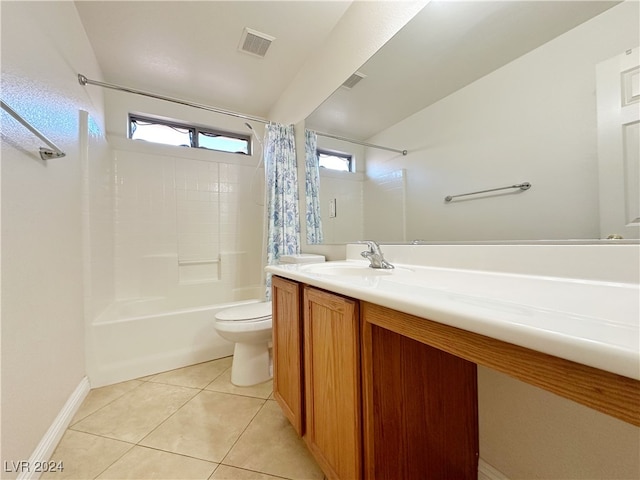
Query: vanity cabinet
288,386
376,404
332,383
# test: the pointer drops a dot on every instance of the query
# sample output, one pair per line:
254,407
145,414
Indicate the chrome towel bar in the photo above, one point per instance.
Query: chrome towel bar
521,186
45,153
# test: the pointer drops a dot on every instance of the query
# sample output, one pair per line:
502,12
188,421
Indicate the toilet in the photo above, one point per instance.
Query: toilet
249,327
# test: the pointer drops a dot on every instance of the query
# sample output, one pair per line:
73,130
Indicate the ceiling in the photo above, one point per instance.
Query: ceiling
189,50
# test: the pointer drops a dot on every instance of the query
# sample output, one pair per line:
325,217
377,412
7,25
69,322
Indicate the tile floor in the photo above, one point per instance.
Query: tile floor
190,423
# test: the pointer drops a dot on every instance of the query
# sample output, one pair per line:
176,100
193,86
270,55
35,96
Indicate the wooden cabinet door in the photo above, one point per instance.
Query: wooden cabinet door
288,383
332,383
420,405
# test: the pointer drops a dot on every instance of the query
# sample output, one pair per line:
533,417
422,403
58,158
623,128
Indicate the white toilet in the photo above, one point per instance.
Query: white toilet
249,326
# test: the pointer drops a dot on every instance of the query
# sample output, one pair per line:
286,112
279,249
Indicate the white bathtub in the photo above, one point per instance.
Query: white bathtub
140,337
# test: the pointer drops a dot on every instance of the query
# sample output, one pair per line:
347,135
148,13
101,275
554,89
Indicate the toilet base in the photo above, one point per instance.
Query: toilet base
251,364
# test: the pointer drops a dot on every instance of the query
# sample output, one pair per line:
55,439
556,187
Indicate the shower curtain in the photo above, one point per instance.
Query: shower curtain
283,218
314,221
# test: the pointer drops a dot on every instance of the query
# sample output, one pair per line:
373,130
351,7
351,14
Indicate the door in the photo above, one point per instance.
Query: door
332,379
618,94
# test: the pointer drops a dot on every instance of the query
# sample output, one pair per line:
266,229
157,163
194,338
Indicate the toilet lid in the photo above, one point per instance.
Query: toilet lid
252,311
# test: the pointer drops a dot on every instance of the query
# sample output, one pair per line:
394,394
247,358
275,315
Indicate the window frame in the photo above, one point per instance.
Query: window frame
194,132
334,153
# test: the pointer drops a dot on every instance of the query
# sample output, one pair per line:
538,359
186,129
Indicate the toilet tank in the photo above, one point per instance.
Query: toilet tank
302,258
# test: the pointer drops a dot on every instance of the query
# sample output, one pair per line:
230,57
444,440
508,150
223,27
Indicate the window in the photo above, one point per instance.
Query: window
170,133
335,160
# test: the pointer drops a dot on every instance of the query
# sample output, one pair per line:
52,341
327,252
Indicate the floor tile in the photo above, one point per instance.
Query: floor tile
132,416
99,397
85,456
142,463
206,427
224,472
194,376
223,384
270,445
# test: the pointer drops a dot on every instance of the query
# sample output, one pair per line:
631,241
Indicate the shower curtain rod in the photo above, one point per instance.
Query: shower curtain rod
358,142
85,81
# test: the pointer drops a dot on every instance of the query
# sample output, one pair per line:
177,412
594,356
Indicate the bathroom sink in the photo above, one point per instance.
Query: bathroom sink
349,269
563,317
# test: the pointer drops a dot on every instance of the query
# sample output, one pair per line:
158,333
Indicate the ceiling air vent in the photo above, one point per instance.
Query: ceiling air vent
353,80
255,43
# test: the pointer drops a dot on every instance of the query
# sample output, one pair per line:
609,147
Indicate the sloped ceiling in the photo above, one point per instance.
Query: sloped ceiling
189,49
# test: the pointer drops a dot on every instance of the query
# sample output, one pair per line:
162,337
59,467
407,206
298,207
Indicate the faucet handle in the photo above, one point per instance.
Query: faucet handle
373,246
374,255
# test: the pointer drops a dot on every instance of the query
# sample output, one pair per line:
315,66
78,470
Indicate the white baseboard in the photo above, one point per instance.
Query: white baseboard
50,441
487,472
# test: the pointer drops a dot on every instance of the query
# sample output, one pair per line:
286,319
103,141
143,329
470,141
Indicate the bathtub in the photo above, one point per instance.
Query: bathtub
145,336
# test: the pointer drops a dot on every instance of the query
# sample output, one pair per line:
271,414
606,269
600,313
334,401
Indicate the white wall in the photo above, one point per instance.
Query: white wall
534,120
175,205
527,433
44,46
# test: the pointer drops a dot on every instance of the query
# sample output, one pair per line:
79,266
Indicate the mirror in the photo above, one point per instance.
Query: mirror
483,95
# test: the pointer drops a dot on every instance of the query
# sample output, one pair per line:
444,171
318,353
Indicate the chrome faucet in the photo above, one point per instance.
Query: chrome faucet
375,256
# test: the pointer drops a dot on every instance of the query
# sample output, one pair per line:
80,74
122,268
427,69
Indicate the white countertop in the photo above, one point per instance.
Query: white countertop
595,323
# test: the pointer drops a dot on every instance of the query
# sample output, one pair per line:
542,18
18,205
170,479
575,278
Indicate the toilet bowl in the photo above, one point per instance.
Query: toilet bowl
250,327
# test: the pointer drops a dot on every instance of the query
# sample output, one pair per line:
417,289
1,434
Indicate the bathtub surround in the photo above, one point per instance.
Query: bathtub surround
182,248
96,163
181,206
178,227
182,252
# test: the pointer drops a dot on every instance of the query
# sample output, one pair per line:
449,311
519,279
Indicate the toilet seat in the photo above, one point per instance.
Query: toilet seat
252,312
253,317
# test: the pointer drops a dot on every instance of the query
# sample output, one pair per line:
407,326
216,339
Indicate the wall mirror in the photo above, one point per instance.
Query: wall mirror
484,95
